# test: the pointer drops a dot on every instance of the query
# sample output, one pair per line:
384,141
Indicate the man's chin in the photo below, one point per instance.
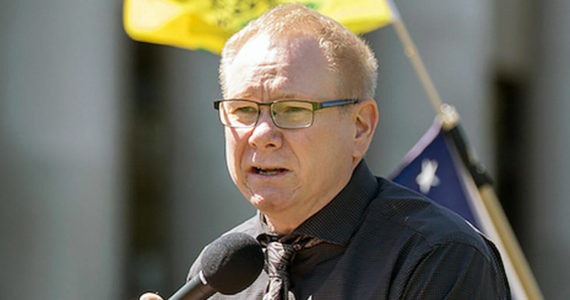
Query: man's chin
270,203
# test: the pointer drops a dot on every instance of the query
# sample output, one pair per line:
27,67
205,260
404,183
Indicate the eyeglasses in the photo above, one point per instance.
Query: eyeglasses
288,114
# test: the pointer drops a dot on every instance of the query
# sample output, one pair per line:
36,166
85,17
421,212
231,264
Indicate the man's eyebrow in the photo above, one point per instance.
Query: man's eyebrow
284,95
274,96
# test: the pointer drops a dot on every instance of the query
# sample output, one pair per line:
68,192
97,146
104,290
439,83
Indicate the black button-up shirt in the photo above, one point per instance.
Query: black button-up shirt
383,241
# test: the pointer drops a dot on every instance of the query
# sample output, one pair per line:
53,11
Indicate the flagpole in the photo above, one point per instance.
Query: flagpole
450,123
497,215
412,53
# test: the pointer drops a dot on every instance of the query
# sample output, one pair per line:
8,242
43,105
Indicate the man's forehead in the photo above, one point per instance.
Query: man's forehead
288,62
265,49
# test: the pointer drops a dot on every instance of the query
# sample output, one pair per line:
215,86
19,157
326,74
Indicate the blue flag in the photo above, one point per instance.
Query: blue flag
430,168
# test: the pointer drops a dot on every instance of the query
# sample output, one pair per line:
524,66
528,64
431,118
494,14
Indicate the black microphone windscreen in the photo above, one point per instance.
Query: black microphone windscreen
232,262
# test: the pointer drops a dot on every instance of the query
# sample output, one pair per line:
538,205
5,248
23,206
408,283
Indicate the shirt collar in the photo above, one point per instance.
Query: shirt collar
336,222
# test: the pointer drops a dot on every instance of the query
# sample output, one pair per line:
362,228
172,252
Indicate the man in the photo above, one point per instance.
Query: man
299,116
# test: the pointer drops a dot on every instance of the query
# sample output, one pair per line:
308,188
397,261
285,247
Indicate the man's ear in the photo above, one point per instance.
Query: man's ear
365,117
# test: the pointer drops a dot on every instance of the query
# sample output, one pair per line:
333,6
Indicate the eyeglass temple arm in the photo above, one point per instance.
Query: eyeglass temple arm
321,105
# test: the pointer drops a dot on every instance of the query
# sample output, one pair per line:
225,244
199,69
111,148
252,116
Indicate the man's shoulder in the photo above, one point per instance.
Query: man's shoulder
415,243
416,215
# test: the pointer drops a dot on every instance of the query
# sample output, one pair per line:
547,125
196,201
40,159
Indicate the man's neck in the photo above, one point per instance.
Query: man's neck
284,222
280,228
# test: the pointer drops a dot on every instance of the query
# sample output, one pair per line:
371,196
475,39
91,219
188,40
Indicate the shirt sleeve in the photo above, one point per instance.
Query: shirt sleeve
456,271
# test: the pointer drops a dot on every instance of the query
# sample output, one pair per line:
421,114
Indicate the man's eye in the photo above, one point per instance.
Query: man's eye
294,109
244,109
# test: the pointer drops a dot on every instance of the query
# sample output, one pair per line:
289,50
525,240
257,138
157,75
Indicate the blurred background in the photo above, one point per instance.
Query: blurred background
112,171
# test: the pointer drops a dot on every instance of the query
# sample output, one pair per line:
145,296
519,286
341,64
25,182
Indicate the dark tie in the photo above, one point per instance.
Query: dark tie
279,255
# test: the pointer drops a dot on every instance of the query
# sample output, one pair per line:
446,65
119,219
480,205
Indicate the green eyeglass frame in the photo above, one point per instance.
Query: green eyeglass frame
287,113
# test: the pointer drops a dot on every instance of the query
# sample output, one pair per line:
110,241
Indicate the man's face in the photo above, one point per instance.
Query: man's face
288,172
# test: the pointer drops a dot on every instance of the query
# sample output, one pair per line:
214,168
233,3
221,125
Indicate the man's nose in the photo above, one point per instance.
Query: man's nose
265,135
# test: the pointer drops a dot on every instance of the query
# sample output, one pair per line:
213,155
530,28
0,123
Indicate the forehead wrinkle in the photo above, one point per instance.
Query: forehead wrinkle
262,81
260,85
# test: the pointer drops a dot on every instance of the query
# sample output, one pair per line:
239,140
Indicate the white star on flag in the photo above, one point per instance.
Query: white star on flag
427,178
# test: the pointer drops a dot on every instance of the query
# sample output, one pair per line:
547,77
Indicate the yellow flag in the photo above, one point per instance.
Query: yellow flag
207,24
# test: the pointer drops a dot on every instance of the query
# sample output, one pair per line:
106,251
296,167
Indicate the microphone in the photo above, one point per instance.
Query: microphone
229,265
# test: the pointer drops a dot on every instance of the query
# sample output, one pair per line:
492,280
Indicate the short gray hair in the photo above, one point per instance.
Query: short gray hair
348,55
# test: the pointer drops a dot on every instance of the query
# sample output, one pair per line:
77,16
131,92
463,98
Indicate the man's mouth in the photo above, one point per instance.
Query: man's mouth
269,171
